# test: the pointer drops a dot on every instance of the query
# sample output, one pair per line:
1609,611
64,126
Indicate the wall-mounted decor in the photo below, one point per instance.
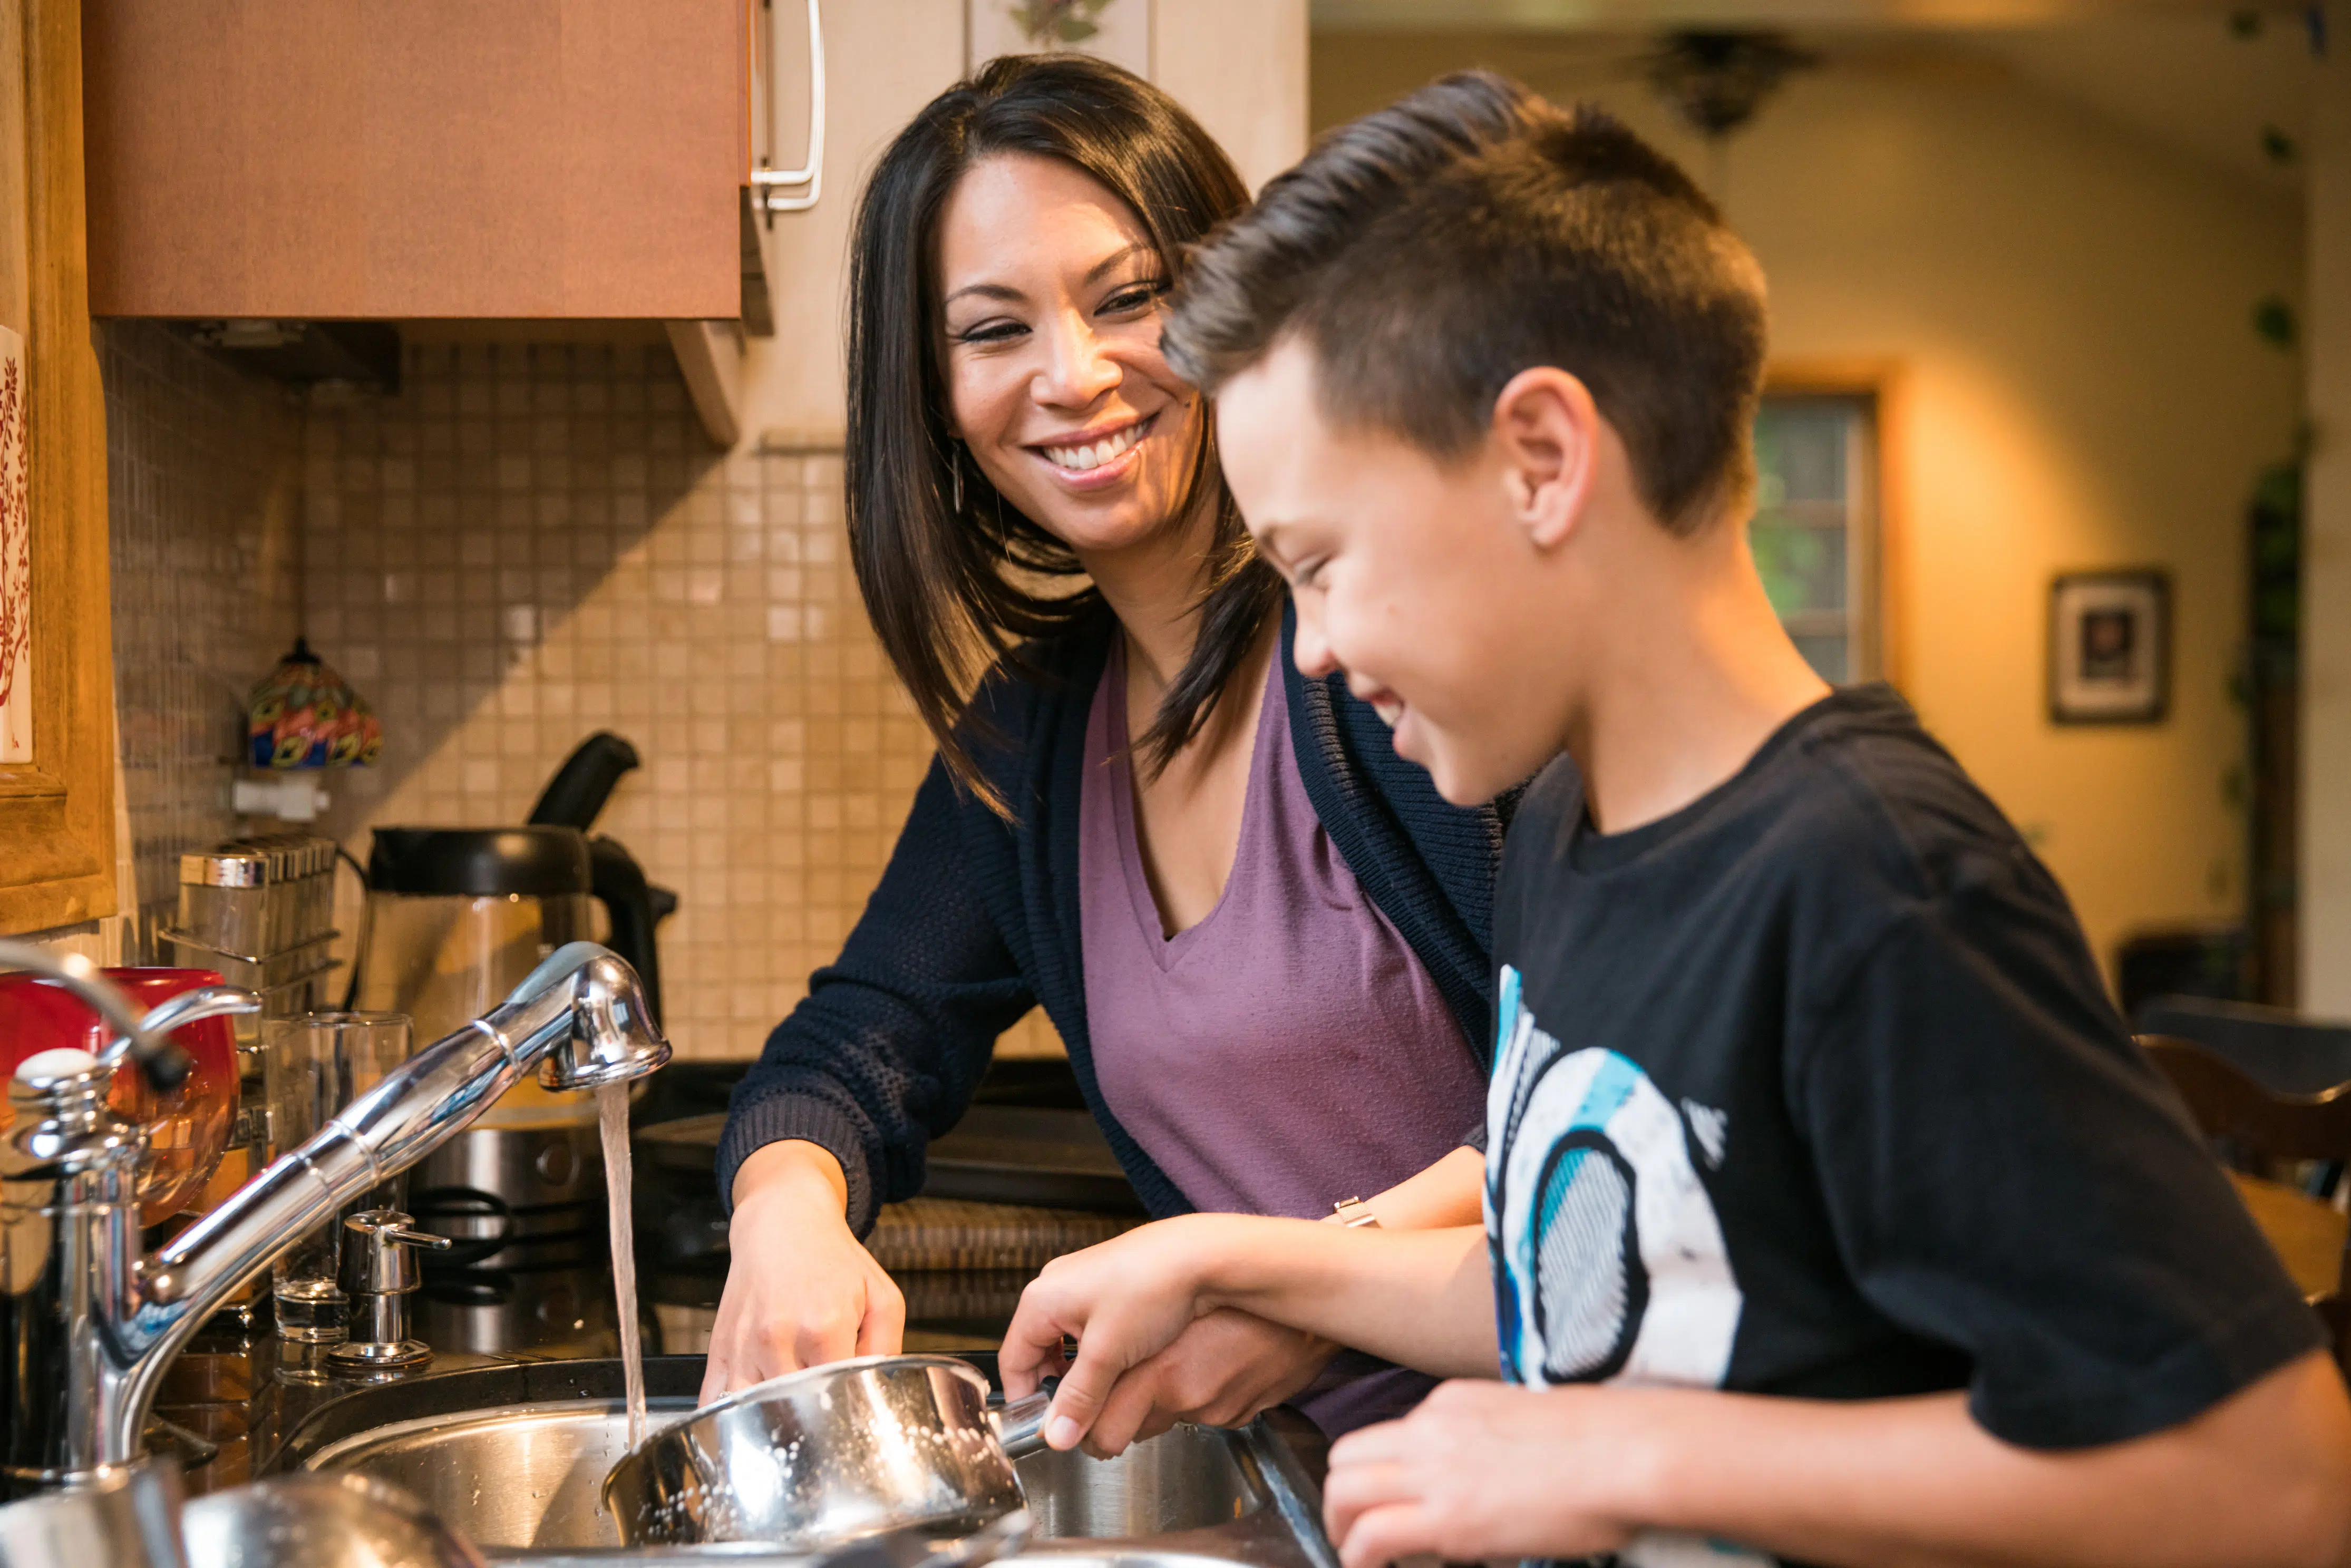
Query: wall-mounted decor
1118,31
56,762
303,714
15,560
2110,646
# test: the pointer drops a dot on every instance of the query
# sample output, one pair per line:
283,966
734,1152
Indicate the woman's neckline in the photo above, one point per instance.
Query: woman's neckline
1126,805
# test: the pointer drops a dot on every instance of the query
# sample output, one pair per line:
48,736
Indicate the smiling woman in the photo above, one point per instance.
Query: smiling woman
1030,222
1260,932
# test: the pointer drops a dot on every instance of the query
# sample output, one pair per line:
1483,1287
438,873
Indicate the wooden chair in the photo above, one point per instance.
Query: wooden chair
2280,1048
2258,1128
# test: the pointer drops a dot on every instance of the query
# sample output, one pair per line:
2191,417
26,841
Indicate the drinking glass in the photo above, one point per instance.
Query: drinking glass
312,1066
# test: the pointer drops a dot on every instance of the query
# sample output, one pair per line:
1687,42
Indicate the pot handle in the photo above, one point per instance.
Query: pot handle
1021,1422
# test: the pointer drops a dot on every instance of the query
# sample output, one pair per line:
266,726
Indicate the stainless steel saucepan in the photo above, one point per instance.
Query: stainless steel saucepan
817,1458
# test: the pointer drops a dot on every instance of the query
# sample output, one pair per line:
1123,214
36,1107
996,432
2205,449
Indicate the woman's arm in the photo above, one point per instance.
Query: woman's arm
1423,1298
2260,1480
884,1053
1445,1195
832,1301
889,1044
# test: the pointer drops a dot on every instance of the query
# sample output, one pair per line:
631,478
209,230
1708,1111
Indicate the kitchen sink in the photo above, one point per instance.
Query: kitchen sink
527,1477
515,1458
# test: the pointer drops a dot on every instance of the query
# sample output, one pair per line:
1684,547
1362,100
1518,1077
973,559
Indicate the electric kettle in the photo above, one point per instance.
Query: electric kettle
456,917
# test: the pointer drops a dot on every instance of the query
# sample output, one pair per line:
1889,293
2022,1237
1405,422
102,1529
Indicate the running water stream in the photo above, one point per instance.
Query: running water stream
612,1123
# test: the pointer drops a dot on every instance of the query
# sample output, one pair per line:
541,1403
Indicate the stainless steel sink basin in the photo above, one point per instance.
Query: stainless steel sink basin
532,1476
520,1474
1187,1479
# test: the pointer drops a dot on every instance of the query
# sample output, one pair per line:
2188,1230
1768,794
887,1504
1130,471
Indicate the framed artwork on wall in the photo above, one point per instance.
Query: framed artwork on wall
16,560
2110,646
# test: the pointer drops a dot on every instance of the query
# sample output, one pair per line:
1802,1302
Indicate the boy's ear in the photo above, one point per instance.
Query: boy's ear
1546,431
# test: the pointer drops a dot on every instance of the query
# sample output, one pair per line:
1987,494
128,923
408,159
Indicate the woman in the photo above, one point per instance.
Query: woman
1262,936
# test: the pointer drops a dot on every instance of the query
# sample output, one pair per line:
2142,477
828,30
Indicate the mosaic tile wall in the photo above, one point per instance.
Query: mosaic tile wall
531,543
203,495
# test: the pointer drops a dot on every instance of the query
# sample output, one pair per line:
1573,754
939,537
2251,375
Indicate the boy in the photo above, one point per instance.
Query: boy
1832,1215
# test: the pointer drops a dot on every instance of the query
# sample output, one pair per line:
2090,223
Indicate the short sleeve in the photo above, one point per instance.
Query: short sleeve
2007,1175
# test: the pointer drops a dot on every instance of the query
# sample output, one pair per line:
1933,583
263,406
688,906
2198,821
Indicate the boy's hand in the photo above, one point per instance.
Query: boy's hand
1482,1470
1220,1372
1123,1302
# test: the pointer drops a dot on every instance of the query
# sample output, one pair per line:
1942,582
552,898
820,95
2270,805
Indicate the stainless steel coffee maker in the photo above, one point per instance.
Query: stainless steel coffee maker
456,917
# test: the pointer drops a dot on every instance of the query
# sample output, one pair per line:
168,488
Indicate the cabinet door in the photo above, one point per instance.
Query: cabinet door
414,157
884,60
57,686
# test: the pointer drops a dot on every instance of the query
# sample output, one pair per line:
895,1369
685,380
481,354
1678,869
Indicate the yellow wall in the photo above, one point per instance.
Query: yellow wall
2081,388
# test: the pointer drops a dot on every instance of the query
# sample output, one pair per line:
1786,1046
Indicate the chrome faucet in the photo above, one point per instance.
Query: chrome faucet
87,1324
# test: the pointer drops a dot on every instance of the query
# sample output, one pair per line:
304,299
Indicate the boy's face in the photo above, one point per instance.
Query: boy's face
1411,576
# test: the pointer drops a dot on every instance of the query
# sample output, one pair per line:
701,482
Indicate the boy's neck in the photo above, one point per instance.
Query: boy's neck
1693,673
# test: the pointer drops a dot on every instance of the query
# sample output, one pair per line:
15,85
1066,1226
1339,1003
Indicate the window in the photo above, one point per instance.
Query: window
1814,532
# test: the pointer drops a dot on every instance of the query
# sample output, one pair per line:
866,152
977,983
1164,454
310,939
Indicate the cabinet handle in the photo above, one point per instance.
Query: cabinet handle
775,186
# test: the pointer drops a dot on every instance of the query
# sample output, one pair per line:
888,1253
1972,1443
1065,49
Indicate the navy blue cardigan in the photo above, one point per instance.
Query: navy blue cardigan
976,920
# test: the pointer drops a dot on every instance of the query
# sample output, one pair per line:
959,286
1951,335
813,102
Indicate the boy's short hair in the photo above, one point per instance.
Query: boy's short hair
1431,251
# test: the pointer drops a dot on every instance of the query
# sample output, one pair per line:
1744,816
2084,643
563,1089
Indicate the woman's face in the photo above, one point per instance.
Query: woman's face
1051,303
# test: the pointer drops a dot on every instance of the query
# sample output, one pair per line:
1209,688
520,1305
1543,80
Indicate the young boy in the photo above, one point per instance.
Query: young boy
1832,1215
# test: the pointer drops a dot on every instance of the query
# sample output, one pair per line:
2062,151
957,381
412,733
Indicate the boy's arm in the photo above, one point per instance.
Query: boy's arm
2262,1480
1228,1365
1422,1297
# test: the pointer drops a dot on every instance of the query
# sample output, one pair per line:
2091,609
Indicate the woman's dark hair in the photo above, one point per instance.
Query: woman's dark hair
950,592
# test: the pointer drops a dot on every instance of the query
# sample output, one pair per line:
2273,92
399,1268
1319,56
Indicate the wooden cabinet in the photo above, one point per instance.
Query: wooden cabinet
1238,65
415,159
56,749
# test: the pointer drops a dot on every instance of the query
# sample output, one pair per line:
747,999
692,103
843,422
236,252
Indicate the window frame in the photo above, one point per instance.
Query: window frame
1874,555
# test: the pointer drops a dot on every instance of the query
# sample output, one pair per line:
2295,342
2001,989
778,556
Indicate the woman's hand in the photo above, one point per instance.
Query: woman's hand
1482,1470
1221,1371
799,1290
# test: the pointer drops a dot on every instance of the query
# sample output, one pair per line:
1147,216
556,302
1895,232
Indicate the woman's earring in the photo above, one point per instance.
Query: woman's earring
955,466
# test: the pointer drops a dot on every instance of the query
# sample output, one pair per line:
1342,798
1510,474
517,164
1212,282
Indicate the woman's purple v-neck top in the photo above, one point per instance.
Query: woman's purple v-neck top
1288,1051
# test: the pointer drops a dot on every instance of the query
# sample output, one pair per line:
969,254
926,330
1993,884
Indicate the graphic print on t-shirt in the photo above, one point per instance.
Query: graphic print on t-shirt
1613,1263
1609,1260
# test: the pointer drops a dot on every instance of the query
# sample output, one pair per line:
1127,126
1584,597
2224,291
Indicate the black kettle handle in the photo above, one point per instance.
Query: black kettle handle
581,786
632,908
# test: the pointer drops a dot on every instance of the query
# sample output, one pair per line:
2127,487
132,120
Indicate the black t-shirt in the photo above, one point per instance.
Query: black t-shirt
1811,1088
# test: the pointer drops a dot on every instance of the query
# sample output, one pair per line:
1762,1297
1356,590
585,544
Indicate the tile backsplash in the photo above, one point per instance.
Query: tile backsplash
532,543
527,544
203,497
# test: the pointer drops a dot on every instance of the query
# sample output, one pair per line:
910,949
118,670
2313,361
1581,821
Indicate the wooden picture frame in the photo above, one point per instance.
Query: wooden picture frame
57,810
2110,646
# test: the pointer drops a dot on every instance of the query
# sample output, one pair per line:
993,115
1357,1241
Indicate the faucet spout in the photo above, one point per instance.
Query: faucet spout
613,1037
579,1020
